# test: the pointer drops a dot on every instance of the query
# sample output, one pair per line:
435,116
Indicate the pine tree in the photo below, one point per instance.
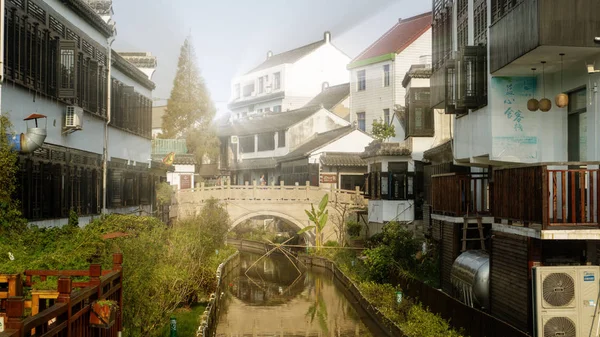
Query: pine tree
190,110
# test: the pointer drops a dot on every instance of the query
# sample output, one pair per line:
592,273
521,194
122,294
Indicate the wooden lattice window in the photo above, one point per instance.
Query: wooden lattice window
480,21
462,23
68,69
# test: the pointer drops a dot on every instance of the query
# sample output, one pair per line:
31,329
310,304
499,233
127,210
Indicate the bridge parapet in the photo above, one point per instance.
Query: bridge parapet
271,193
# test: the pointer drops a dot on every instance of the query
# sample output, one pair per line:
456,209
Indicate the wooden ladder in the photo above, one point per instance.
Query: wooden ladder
466,229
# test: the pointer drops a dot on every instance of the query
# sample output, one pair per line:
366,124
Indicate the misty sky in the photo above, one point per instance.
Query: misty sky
232,36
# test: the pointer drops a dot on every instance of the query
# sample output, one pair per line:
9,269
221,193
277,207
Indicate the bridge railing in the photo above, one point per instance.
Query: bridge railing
305,193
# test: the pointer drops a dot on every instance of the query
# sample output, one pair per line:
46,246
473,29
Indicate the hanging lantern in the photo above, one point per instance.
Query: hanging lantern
562,99
545,104
533,104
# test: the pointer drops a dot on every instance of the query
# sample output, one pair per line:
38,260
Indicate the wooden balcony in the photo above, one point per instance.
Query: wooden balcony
460,194
547,196
519,27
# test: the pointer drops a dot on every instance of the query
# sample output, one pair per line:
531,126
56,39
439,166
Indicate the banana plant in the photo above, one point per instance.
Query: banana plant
319,219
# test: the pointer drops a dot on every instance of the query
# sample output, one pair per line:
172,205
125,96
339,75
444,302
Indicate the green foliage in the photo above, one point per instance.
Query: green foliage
190,110
163,267
353,228
73,219
188,320
421,322
319,218
382,131
331,243
11,220
164,191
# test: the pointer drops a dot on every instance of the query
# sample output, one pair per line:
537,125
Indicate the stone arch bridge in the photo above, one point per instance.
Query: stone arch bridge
285,202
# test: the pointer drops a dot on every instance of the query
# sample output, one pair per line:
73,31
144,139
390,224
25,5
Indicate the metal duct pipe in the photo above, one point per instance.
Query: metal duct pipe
32,140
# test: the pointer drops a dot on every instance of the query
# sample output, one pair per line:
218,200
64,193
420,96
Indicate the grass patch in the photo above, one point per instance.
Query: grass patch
188,321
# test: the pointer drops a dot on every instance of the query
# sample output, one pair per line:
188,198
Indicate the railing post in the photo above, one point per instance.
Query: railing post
15,310
95,273
545,197
65,287
117,261
307,190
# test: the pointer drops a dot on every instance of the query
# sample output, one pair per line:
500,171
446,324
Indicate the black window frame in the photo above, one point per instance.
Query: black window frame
417,105
266,141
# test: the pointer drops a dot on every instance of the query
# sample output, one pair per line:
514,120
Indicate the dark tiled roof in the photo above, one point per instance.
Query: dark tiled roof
271,122
417,71
83,9
398,38
254,164
342,159
331,96
377,148
132,71
184,159
289,56
318,141
263,98
443,150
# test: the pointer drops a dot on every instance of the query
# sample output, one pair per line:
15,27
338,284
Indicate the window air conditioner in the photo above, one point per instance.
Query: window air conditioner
73,118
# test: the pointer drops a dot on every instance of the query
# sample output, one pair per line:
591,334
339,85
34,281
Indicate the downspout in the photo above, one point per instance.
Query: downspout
109,41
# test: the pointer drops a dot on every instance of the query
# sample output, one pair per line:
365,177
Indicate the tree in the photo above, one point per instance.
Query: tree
383,131
190,110
10,215
343,211
319,217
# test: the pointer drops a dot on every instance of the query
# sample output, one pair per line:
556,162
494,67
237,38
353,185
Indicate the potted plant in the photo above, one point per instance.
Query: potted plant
103,313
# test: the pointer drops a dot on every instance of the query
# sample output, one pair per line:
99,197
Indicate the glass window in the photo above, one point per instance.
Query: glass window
361,79
281,139
386,116
277,81
386,75
277,108
362,125
261,85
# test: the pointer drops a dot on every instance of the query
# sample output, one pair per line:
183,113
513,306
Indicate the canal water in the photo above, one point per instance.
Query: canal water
271,298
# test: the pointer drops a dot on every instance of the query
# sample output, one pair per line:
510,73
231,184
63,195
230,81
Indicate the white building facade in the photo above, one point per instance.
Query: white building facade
287,81
73,97
376,74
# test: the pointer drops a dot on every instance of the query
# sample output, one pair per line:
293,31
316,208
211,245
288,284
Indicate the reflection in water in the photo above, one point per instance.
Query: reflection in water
272,299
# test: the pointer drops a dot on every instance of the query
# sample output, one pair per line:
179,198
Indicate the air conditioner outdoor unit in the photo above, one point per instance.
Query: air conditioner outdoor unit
234,139
73,118
565,301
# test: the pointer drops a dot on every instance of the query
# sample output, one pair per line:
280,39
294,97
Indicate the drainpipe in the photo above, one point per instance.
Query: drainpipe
109,43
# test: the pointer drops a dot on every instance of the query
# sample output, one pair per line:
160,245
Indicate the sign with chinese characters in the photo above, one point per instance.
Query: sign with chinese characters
514,128
328,178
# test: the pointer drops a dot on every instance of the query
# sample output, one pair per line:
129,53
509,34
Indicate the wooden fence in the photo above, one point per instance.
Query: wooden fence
69,316
475,323
460,194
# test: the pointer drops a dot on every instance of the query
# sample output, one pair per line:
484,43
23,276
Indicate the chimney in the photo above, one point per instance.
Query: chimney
269,54
324,86
327,37
399,20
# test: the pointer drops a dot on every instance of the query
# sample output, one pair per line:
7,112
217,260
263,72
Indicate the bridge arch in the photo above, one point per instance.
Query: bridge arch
247,216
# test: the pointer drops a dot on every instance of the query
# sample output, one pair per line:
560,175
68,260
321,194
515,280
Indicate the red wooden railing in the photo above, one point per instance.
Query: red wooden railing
552,198
460,194
70,315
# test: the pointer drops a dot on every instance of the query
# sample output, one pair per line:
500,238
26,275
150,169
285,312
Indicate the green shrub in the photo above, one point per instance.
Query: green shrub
353,228
423,323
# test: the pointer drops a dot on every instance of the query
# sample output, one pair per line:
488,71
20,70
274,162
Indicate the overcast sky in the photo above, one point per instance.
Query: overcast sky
232,36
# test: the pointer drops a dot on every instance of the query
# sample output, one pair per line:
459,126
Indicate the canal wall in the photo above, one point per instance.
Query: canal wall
210,317
386,325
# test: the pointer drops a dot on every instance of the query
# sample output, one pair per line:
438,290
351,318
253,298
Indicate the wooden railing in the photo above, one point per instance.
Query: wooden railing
460,194
550,197
70,314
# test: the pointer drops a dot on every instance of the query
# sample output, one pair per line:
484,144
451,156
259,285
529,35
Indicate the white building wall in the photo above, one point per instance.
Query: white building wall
489,131
174,177
320,122
325,64
391,210
375,97
409,56
354,142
